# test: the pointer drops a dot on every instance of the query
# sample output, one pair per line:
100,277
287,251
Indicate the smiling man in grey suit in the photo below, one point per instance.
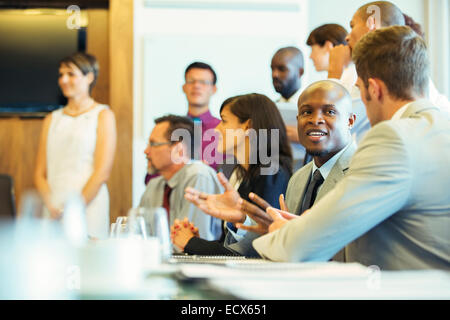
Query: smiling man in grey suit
324,123
393,205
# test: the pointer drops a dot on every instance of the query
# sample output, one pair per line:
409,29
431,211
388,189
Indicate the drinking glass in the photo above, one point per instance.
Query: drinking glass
136,224
152,223
119,229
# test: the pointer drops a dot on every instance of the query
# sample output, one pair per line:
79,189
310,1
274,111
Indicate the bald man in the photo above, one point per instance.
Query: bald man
287,70
367,18
324,123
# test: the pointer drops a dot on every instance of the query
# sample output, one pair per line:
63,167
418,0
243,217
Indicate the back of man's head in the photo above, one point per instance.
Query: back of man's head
180,127
397,56
385,13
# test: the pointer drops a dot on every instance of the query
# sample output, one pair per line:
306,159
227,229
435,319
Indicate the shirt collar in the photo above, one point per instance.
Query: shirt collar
326,168
292,99
204,117
398,114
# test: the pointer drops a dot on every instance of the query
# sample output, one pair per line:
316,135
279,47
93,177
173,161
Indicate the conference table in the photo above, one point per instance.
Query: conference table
45,266
230,278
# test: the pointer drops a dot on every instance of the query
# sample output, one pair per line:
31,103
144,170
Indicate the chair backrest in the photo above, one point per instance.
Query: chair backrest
7,200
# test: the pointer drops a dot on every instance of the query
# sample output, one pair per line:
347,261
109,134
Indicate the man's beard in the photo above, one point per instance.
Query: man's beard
317,153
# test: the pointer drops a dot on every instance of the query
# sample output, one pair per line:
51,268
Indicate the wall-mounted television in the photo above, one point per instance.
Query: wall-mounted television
32,43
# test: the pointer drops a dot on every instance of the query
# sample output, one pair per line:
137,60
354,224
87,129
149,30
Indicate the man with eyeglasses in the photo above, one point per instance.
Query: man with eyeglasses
171,159
199,87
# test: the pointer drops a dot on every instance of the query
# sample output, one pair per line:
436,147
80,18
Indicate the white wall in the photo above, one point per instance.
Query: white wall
437,28
238,38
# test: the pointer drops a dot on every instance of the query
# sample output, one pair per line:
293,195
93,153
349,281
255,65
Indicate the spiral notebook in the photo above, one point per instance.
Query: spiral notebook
219,259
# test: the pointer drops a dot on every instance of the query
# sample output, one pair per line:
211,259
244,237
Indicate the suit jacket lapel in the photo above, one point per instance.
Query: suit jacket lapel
300,186
338,171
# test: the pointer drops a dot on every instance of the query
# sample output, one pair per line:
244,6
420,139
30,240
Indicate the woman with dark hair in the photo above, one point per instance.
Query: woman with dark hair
253,131
77,147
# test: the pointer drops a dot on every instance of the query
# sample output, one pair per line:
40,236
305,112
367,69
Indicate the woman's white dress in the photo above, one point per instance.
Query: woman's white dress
71,145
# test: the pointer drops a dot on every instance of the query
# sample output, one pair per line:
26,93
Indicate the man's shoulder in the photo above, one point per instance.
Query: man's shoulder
201,176
347,155
417,120
199,169
154,183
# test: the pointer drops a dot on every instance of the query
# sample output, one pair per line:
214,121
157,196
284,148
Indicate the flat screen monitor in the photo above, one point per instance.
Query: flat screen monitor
33,41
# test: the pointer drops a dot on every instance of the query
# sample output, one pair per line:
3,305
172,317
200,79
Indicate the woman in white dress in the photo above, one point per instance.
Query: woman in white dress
77,147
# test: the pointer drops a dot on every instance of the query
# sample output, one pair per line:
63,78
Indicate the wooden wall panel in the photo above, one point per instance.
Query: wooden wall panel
19,140
98,45
121,101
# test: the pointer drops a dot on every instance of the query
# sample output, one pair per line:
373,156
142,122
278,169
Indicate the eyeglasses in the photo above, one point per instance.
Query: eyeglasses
157,144
202,82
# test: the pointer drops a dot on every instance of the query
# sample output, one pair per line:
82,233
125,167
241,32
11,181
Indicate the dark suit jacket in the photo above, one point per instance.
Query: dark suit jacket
267,187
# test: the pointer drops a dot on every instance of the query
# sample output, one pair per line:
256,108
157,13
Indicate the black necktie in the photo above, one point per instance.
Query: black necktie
311,191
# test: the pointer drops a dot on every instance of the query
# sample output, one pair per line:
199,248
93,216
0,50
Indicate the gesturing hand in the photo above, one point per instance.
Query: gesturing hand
225,206
257,213
181,232
266,220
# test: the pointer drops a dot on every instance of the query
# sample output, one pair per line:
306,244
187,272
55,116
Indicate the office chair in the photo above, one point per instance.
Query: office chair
7,199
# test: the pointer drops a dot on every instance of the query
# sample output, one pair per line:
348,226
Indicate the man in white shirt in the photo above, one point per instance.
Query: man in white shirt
287,70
